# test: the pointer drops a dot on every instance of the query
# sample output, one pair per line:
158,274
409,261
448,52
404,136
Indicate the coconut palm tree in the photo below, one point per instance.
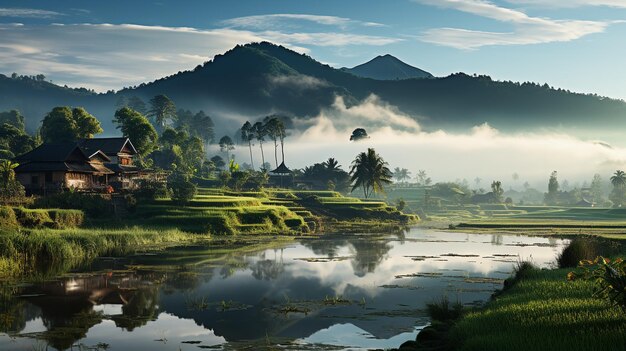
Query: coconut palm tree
370,172
618,179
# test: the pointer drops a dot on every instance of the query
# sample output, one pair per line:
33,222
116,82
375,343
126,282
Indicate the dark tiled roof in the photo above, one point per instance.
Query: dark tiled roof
282,169
63,167
110,146
50,153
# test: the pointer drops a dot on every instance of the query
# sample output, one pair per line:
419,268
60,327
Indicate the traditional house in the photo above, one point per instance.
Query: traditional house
120,151
55,167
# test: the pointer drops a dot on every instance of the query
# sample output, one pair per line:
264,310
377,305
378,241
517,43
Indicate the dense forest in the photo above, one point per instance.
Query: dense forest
262,78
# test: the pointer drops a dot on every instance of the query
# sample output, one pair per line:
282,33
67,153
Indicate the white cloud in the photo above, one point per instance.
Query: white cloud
284,19
526,29
109,56
570,3
28,13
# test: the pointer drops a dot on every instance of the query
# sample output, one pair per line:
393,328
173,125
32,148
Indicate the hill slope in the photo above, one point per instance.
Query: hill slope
387,67
261,78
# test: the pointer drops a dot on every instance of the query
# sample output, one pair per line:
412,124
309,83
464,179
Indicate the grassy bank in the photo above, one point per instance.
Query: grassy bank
34,240
543,311
46,251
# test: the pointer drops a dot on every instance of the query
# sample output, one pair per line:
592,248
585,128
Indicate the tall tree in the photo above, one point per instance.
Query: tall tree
259,134
161,110
247,135
86,124
203,127
226,145
14,118
138,129
58,126
618,180
370,172
551,198
496,188
275,129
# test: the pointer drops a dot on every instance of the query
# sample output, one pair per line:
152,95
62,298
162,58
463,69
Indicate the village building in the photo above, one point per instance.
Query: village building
120,151
51,168
98,165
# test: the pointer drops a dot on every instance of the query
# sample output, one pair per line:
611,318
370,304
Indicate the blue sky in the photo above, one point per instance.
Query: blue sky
572,44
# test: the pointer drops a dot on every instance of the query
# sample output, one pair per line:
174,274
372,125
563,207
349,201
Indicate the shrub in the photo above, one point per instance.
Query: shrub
444,311
33,218
182,189
67,218
151,189
8,220
92,205
578,250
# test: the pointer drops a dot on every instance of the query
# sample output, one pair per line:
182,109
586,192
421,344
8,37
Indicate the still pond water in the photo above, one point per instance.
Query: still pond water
331,293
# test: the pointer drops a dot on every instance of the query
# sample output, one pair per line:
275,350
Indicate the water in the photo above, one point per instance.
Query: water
334,293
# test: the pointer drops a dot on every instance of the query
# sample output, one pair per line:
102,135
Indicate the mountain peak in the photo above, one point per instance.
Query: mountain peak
387,67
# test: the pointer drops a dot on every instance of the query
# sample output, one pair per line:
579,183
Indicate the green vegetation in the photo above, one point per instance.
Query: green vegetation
543,311
63,124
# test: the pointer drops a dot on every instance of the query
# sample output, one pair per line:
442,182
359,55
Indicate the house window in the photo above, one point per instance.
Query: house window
125,161
48,177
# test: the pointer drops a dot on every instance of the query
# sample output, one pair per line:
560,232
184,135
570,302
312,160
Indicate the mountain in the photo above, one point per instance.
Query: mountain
387,67
253,80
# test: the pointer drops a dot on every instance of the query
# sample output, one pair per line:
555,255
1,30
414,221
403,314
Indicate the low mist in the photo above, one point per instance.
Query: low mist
481,151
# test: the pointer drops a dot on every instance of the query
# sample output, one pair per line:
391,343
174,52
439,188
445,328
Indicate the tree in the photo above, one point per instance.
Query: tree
496,188
370,172
138,129
359,134
218,161
275,129
203,127
63,124
86,124
551,197
14,140
226,145
161,110
58,126
618,180
247,135
14,118
421,177
596,188
182,189
259,134
401,174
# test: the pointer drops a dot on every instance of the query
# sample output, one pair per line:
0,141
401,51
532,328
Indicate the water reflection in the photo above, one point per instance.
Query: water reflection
352,291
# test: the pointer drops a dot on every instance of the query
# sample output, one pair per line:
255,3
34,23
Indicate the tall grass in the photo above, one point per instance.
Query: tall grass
543,311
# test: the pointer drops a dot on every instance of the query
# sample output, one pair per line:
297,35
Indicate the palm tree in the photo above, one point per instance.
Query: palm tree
275,129
618,179
370,172
259,133
247,135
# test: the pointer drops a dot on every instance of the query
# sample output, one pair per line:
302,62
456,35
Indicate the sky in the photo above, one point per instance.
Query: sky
571,44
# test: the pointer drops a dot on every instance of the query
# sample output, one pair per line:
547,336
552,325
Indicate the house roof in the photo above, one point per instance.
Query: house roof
63,167
110,146
52,153
281,169
117,168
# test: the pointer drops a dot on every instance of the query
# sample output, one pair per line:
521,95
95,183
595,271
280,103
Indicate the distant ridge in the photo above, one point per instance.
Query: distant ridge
260,79
387,67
